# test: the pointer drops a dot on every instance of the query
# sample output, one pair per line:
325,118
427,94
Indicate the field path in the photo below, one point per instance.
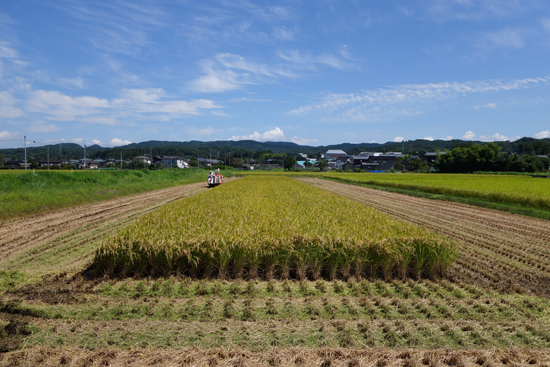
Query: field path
63,240
499,250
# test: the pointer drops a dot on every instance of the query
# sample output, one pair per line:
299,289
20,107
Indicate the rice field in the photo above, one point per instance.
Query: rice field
277,227
520,190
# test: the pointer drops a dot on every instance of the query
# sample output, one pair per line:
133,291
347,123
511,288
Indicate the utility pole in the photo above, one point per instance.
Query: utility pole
121,160
48,150
25,144
84,157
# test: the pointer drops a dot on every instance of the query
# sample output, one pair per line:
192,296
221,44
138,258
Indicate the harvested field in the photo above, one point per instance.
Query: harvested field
499,250
275,357
51,318
65,239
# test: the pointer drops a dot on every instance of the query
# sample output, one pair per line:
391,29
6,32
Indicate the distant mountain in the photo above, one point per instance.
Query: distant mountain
252,148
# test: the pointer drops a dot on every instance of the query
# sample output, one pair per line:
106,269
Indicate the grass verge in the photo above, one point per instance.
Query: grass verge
24,194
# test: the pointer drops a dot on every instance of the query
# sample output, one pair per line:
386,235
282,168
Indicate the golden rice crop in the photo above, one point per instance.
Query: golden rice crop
272,227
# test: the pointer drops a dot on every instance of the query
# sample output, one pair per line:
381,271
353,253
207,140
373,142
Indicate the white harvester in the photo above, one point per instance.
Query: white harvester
214,178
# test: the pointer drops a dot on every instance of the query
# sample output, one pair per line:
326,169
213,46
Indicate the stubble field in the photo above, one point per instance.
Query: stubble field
490,308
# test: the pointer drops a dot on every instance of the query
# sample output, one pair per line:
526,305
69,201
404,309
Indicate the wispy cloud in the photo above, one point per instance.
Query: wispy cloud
228,71
468,135
472,10
40,126
7,106
371,105
54,105
6,51
504,38
119,27
305,60
488,105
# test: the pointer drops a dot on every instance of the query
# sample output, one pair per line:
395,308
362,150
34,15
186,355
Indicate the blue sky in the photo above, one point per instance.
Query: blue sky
311,72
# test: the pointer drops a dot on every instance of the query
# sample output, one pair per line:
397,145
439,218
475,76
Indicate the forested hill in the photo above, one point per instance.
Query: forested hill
251,148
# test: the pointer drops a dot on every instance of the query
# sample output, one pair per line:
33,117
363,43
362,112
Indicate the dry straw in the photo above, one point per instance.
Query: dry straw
272,227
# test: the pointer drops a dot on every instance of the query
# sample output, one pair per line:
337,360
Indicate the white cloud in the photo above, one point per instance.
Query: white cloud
228,71
468,135
10,112
135,103
7,110
542,135
507,38
39,126
271,135
488,105
448,138
398,139
402,100
429,138
303,141
372,141
116,142
62,107
216,81
9,135
497,137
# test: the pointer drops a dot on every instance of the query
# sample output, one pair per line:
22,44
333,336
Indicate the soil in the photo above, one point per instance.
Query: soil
499,250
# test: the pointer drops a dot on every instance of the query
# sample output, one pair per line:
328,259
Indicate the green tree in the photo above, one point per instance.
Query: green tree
322,164
2,160
418,165
399,166
290,161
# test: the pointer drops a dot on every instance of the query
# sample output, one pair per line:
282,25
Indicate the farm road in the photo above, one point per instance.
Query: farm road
64,240
498,250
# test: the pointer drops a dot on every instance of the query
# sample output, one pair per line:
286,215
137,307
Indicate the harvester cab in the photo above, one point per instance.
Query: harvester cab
214,178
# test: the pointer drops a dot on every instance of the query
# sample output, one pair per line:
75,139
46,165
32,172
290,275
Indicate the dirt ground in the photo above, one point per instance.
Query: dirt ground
499,250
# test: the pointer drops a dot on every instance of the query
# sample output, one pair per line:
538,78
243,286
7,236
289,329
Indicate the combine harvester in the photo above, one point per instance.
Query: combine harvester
214,178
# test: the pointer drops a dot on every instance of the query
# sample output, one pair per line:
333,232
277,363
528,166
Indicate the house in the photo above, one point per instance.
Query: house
431,157
302,156
88,164
171,161
334,153
374,161
52,162
299,165
16,164
143,159
208,162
